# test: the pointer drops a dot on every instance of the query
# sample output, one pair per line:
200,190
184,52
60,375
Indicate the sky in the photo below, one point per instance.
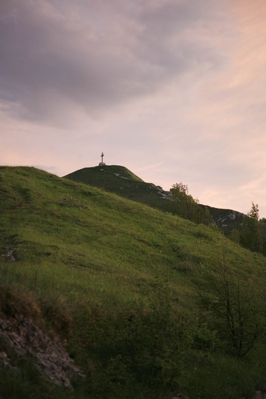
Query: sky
174,90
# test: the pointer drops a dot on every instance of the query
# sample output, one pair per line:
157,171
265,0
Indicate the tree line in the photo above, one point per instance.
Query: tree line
251,234
187,207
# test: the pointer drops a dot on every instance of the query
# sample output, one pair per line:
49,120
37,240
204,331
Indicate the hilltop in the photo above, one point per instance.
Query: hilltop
117,299
119,180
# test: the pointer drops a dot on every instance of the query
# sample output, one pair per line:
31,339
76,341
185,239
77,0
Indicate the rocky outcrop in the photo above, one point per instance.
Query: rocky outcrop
49,356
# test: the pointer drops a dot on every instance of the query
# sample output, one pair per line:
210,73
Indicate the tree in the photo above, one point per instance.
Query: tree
188,207
235,309
186,203
254,211
250,236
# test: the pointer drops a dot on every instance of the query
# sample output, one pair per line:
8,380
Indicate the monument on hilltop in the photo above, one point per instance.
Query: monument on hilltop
102,163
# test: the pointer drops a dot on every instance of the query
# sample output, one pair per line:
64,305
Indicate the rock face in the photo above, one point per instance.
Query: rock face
50,357
226,219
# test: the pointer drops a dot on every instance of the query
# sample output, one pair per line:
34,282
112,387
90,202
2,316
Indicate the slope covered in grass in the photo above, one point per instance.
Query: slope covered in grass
119,180
130,289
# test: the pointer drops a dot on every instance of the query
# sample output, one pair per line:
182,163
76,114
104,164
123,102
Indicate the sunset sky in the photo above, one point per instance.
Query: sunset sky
174,90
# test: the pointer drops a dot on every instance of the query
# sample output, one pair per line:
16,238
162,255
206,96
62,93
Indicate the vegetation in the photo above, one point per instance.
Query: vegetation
119,180
188,207
149,304
235,311
178,201
252,234
246,230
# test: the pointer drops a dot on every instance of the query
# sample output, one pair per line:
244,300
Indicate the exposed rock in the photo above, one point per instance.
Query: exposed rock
9,256
50,357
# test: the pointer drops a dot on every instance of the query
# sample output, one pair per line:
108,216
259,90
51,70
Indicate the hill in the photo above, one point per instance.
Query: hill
118,299
119,180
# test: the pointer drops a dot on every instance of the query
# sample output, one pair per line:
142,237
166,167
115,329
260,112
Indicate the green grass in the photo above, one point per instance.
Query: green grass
92,257
119,180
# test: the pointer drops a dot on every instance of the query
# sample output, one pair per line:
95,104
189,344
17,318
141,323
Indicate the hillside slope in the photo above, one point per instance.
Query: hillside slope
119,180
117,284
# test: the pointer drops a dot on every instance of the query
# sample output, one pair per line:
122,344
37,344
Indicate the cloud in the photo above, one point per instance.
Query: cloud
61,59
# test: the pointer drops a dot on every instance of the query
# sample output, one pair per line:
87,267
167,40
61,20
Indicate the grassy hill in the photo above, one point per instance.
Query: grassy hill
137,297
119,180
